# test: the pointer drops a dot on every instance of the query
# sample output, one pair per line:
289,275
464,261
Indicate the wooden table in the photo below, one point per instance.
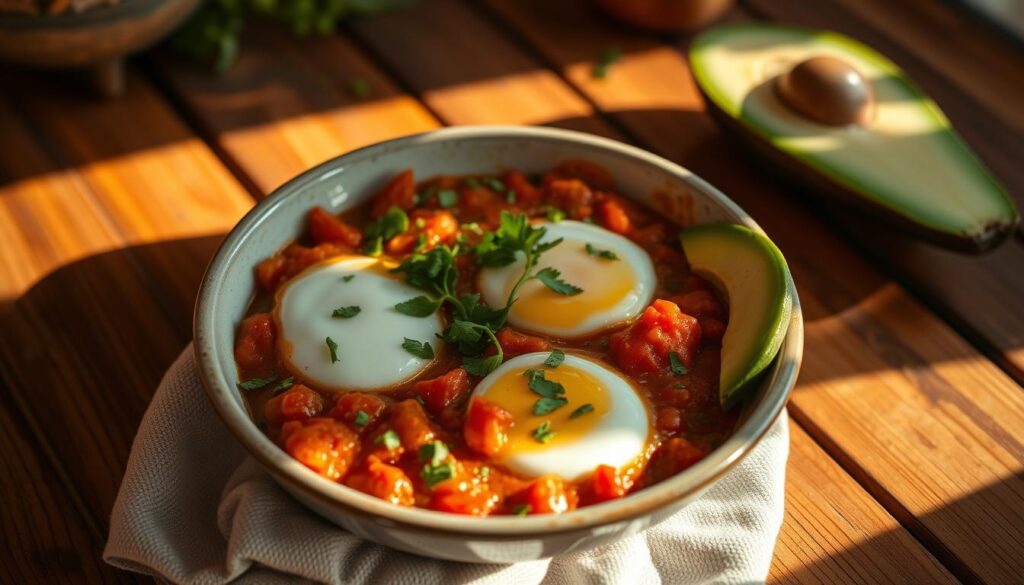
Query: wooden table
907,459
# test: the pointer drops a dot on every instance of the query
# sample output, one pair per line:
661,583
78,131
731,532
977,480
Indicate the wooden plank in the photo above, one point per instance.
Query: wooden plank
101,303
913,411
852,502
835,537
936,51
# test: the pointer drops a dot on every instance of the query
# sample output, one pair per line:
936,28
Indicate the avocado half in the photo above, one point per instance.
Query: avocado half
755,278
905,164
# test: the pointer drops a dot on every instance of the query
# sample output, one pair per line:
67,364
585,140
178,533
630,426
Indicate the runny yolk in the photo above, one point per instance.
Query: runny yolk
605,283
511,391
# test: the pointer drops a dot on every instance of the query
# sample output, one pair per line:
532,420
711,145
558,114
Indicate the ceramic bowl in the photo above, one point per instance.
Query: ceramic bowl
349,180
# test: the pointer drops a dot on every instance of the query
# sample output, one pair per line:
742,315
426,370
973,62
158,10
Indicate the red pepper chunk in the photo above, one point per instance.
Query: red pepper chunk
487,427
570,195
441,392
643,347
526,194
514,343
465,496
383,481
612,215
400,192
607,484
322,444
300,402
412,425
254,349
327,228
547,494
348,406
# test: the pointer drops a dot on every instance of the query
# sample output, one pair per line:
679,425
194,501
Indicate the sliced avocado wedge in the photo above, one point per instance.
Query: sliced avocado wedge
754,276
900,159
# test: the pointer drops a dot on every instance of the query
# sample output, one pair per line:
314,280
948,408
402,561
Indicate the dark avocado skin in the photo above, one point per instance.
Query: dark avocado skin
792,169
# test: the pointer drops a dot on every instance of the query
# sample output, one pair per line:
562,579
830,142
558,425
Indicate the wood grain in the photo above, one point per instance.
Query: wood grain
916,414
853,502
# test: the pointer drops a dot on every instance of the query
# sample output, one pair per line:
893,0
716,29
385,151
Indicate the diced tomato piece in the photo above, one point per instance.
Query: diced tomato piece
254,349
607,484
547,494
348,406
412,425
612,215
595,176
668,419
712,329
674,395
294,259
384,481
514,343
300,402
441,392
487,427
322,444
674,456
526,194
700,303
270,272
325,227
643,347
464,496
400,192
570,195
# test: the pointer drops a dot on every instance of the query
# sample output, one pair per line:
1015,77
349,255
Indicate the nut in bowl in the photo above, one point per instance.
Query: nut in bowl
494,365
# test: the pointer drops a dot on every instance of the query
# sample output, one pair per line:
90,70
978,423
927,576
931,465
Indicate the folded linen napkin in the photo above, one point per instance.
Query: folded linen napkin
194,508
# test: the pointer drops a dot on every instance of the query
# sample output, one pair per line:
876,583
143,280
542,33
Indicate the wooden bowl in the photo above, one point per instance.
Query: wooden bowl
98,39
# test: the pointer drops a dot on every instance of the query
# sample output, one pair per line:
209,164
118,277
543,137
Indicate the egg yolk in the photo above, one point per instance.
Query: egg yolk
605,283
512,392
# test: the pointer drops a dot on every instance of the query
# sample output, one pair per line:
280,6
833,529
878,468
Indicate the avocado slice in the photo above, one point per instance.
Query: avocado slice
903,162
752,273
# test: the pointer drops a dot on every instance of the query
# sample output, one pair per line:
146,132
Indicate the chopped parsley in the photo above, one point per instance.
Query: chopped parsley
605,60
522,510
284,385
420,349
555,359
554,214
545,405
420,306
586,408
346,312
543,433
348,277
256,383
676,364
389,439
495,184
393,222
604,254
435,452
362,419
481,366
435,474
447,198
333,348
550,278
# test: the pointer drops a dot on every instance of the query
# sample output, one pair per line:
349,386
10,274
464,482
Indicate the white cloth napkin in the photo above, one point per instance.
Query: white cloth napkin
194,508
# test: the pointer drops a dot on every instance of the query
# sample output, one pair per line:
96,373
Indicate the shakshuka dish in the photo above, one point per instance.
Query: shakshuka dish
497,344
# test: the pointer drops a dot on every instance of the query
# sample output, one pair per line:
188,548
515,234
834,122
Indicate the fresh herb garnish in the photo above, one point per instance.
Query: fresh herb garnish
510,197
345,312
483,471
481,366
420,306
605,254
284,385
256,383
435,452
333,348
420,349
604,61
447,198
393,222
389,439
435,474
348,277
522,510
555,359
676,364
588,407
548,405
543,433
362,418
554,214
495,184
552,394
550,278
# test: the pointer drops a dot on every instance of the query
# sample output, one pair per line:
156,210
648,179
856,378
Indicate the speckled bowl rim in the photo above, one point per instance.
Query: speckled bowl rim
756,420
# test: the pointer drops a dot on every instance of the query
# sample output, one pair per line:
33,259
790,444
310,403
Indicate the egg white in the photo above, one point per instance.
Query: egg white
370,353
633,271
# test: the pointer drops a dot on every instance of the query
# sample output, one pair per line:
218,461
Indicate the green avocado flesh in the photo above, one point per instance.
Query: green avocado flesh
754,276
906,161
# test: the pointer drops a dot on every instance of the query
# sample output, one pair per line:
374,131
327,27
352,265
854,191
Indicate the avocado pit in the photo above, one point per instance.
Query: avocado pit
827,90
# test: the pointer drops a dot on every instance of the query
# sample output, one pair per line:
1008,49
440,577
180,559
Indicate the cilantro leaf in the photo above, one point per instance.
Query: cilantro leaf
549,277
676,364
393,222
256,383
547,405
348,277
542,387
481,366
495,184
522,510
362,419
555,359
283,385
333,348
447,198
586,408
420,306
420,349
554,215
345,312
543,433
604,254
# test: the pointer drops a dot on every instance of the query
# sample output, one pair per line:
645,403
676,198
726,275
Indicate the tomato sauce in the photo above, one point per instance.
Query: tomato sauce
424,443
